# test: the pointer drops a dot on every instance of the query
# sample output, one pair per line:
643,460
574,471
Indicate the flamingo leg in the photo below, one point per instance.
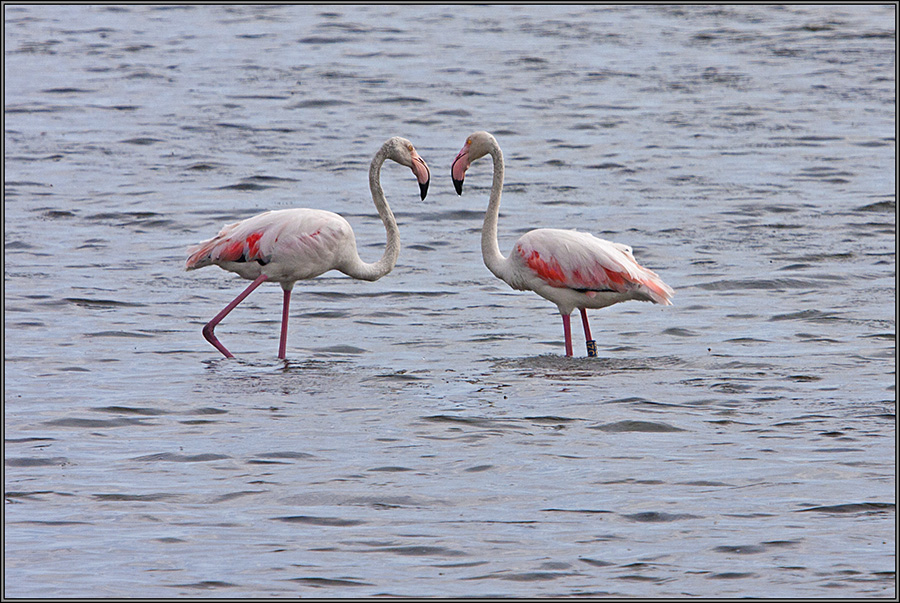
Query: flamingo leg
211,325
588,340
567,331
282,346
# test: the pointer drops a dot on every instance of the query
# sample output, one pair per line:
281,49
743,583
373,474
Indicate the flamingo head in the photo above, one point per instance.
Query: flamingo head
403,152
477,145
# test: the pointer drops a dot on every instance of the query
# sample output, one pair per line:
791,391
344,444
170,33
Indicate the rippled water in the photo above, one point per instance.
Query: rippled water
426,436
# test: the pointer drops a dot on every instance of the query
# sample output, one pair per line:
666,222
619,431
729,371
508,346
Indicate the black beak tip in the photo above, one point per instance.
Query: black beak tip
423,188
458,185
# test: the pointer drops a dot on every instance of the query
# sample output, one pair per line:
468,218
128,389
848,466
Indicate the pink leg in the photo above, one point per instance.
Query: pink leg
567,331
589,341
282,347
211,325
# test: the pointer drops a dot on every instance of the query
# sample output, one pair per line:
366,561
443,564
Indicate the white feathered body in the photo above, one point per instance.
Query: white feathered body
287,245
575,269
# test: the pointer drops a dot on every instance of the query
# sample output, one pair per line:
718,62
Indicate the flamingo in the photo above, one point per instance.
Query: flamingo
289,245
570,268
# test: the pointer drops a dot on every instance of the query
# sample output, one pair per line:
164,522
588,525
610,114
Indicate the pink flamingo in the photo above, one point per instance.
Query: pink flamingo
570,268
289,245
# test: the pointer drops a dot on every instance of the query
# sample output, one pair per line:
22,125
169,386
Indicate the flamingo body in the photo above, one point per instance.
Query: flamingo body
578,270
570,268
288,245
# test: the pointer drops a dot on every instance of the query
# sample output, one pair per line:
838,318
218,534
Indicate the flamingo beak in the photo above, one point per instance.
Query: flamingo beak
458,170
423,174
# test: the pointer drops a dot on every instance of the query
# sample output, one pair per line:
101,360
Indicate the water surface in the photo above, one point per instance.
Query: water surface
425,436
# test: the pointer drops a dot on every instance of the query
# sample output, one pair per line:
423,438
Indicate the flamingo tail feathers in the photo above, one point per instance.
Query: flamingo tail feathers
224,249
656,289
200,255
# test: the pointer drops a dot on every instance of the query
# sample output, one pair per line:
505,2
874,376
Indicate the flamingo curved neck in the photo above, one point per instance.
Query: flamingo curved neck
490,247
372,272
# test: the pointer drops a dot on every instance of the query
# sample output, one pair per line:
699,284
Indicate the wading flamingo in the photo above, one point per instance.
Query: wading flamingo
570,268
289,245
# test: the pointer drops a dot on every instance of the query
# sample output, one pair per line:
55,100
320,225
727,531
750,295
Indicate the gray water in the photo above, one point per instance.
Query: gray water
426,436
